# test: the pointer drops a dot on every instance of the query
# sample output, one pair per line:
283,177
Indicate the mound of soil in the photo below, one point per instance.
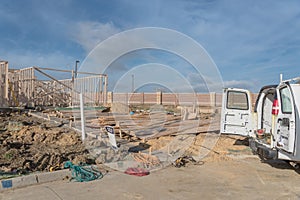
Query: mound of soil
29,144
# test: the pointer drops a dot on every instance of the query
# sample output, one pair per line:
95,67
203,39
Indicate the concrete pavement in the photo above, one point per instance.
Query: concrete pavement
32,179
232,179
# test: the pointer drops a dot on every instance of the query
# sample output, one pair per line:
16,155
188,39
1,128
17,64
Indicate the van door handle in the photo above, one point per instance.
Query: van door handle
230,114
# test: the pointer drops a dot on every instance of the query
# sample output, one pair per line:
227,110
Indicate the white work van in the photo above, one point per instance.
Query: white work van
272,124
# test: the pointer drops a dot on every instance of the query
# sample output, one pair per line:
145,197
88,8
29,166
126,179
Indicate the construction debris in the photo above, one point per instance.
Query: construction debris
137,171
182,161
146,159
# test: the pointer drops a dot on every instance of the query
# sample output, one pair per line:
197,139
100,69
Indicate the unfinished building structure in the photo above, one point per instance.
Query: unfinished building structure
34,86
3,82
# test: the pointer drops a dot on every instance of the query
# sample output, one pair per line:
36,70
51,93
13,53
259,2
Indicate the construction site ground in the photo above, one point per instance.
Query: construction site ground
225,167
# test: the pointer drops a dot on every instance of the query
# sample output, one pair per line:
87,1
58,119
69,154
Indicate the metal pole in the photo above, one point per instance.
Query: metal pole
82,117
72,90
105,89
132,86
76,67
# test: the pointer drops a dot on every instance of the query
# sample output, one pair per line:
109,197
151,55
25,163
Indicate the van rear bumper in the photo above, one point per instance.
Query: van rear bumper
263,151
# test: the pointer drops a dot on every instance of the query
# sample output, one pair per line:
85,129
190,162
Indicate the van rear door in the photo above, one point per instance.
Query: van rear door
285,126
236,112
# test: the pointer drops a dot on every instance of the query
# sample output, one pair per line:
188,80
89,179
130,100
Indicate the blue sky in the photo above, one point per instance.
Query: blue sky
251,42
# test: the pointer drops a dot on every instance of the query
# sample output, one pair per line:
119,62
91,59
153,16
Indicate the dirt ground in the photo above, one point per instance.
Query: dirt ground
228,171
30,144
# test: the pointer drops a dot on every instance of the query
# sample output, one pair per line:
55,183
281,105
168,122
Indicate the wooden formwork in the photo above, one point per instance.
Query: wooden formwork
21,86
3,83
24,87
94,88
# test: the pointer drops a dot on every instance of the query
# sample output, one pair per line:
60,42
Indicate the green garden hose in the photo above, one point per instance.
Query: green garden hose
83,173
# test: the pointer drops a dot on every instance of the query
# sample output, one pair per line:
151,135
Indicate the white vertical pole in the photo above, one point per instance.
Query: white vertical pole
105,90
72,91
6,81
82,117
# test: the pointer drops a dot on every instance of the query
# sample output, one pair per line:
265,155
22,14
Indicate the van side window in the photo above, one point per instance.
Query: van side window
237,100
285,97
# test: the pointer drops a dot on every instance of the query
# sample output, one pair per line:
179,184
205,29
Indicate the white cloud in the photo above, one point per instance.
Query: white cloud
245,40
89,33
29,59
243,84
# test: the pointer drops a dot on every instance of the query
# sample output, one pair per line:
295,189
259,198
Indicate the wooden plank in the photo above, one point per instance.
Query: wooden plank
70,71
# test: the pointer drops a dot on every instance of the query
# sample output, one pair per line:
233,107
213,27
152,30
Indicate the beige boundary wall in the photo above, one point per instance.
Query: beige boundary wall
200,99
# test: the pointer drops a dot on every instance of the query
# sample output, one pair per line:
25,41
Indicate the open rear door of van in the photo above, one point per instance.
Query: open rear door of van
236,112
286,124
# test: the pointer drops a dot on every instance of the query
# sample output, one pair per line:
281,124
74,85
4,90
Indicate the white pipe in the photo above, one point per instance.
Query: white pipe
82,117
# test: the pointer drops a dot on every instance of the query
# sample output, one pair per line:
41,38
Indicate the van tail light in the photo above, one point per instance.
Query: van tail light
275,107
